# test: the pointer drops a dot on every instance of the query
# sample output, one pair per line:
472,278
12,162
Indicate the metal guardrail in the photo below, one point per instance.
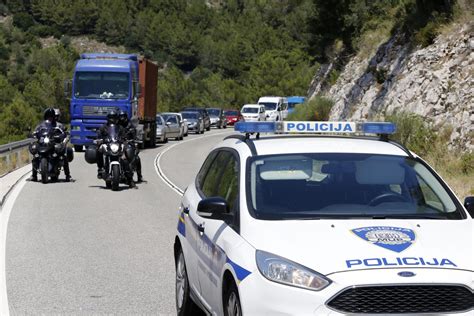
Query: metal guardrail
15,145
14,155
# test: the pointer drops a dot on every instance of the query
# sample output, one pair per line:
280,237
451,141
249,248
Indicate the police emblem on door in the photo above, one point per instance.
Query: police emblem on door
392,238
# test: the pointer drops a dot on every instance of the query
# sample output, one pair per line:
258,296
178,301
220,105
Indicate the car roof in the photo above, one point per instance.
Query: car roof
252,106
291,144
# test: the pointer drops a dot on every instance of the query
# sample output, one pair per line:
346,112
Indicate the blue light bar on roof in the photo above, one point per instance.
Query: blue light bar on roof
255,127
315,127
378,128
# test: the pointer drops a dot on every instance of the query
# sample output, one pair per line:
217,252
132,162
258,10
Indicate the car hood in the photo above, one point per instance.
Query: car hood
329,246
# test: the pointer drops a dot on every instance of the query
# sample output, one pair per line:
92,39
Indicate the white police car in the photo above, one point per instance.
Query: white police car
322,225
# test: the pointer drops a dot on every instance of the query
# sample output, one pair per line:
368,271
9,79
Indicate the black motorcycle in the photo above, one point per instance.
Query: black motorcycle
50,150
116,153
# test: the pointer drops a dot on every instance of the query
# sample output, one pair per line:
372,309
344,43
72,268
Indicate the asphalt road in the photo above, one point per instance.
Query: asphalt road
78,248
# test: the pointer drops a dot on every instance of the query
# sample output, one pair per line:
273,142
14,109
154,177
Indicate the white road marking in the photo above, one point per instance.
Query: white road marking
4,217
160,172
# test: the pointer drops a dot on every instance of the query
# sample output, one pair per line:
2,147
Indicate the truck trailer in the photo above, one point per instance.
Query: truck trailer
105,82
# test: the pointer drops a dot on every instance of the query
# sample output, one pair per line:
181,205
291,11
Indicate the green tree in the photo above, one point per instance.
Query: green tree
16,119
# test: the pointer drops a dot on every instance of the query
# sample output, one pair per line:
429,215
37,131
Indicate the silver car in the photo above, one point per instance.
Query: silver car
175,126
183,121
162,130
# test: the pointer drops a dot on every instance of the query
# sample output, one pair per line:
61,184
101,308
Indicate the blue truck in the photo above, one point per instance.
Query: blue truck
293,101
105,82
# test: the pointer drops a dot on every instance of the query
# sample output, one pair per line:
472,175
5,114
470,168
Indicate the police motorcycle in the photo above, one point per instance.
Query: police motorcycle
116,155
50,151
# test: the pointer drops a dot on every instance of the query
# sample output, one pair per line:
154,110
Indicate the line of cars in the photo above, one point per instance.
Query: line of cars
196,120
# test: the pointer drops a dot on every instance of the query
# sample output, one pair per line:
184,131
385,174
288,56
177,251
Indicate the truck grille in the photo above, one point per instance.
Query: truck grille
89,110
401,299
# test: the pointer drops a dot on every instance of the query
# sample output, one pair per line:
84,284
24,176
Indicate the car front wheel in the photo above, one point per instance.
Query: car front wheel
232,301
184,303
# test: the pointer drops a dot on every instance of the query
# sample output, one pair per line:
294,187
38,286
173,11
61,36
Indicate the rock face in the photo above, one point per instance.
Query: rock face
435,82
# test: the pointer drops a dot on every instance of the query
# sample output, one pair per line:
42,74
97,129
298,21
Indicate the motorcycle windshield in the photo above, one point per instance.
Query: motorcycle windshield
113,132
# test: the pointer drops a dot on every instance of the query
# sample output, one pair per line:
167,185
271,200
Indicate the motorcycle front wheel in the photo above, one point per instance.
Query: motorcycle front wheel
115,177
44,170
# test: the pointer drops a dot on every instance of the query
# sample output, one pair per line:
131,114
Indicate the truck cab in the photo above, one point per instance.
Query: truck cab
105,82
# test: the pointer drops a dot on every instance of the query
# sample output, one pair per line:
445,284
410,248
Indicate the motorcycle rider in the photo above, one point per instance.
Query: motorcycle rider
130,135
102,133
50,117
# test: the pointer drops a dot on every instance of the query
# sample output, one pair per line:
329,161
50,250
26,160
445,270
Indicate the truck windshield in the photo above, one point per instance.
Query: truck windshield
269,106
343,185
101,85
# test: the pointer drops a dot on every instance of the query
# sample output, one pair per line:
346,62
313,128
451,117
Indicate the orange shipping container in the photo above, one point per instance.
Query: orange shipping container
148,79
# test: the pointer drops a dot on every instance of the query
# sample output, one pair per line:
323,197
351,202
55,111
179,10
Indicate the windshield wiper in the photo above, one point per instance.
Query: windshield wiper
409,216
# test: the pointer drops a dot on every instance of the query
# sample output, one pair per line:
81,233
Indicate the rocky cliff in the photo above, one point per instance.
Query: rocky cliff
435,82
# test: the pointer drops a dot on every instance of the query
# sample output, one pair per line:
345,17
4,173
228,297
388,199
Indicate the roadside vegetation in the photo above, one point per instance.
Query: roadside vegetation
211,53
432,145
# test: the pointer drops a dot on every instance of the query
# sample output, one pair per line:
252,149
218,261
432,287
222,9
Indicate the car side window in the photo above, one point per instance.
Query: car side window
210,186
204,169
228,187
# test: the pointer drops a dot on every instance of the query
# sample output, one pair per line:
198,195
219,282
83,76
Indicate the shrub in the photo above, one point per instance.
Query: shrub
412,132
317,109
23,21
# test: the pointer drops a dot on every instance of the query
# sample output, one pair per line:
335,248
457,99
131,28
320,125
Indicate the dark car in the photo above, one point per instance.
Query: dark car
194,120
232,116
204,114
217,117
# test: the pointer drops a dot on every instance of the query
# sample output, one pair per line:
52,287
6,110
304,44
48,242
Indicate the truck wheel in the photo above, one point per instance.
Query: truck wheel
44,170
78,148
115,177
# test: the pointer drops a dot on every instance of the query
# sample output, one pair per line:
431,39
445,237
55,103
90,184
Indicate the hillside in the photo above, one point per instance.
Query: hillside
434,82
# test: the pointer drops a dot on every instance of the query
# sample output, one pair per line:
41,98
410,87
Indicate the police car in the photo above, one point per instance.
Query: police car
322,225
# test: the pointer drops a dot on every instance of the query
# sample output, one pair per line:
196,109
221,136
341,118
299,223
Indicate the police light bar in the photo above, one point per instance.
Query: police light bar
315,127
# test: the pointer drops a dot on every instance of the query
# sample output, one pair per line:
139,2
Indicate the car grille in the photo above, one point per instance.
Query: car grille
403,299
89,110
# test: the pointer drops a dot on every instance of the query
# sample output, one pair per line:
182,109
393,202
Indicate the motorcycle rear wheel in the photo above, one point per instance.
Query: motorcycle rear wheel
115,177
44,170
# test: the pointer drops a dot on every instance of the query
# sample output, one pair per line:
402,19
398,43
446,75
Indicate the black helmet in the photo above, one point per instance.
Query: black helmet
123,118
49,114
112,117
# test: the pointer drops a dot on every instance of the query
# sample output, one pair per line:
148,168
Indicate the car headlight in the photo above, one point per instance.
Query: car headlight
114,147
46,140
284,271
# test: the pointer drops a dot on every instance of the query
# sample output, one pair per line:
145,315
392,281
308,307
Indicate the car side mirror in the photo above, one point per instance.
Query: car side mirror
214,208
185,120
168,123
469,205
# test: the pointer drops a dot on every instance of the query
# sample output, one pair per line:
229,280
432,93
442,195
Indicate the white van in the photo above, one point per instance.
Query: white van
253,112
276,108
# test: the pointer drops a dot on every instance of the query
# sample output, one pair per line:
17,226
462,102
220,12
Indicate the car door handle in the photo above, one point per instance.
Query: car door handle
201,228
186,210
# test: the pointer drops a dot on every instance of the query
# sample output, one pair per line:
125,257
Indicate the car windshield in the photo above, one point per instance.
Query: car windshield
167,116
250,110
214,112
159,120
189,115
269,106
101,85
342,185
231,113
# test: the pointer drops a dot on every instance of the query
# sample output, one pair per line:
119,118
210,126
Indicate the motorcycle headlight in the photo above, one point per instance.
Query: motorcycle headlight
114,147
284,271
46,140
